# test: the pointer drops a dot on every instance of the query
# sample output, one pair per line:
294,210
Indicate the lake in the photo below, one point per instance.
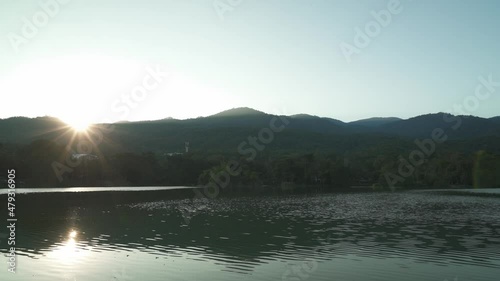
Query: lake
144,235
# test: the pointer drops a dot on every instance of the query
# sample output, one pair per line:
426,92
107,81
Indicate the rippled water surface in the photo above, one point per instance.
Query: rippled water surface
389,236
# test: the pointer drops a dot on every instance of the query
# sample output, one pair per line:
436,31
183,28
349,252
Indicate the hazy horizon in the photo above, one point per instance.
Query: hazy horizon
295,114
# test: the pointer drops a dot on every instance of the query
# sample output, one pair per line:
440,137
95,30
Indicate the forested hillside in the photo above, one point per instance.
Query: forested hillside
266,151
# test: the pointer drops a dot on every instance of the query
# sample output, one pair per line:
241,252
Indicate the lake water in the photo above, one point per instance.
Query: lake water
362,236
94,189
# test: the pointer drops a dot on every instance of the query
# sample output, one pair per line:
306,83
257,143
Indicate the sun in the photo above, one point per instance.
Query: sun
78,125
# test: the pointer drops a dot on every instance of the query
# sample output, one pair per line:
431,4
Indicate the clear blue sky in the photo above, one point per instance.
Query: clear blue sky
274,56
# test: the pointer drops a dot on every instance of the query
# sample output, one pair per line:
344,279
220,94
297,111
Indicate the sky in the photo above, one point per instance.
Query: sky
87,61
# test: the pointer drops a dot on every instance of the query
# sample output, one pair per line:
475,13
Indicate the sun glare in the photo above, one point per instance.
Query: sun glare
78,125
69,251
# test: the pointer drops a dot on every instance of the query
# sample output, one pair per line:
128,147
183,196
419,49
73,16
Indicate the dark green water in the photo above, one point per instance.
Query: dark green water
392,236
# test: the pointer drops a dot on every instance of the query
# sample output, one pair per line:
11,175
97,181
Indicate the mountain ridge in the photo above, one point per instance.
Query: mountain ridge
246,111
245,121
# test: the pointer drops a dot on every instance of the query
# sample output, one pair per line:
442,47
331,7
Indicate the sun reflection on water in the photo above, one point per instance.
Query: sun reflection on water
69,252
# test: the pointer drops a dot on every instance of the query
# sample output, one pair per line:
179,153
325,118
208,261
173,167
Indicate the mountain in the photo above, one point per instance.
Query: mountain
226,130
303,146
304,116
316,118
495,119
24,130
239,112
375,121
456,127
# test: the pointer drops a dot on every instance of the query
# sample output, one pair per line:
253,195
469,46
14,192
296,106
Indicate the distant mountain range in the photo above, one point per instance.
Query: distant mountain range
229,128
375,121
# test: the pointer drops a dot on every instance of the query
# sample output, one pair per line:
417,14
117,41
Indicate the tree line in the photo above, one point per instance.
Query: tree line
317,170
